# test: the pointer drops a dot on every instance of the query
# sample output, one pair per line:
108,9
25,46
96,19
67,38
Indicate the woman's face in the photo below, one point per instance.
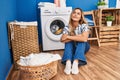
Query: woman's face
76,15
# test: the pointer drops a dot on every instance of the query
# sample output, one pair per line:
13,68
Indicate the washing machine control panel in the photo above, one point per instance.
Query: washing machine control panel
56,11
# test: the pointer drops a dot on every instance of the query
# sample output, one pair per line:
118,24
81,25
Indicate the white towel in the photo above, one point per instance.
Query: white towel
38,59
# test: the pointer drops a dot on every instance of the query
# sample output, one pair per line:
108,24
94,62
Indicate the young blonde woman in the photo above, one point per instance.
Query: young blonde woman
75,37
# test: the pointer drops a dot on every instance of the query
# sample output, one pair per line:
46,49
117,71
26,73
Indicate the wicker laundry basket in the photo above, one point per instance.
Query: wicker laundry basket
43,72
23,37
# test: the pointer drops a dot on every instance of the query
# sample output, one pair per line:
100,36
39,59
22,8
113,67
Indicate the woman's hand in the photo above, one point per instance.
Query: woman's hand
64,37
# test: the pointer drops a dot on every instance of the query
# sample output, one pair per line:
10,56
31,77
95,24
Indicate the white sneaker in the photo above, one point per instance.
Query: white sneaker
67,69
75,69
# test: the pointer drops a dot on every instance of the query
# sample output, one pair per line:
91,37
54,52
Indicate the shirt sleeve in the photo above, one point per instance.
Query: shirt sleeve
85,27
66,30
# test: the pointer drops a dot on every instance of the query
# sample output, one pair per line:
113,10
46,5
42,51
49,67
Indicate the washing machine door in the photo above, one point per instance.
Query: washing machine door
54,28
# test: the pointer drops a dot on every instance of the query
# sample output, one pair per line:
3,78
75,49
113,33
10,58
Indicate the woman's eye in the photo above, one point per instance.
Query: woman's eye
76,13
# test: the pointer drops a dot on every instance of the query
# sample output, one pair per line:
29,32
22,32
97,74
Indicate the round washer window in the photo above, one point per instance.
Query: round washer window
54,28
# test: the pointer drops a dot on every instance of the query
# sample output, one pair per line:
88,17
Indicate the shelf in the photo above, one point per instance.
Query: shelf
109,43
107,9
106,28
108,35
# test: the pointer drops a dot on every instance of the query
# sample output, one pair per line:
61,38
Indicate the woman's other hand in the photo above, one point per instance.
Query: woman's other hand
64,37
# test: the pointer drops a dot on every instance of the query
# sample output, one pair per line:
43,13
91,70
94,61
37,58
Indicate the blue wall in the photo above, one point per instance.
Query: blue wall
112,3
26,10
7,13
84,4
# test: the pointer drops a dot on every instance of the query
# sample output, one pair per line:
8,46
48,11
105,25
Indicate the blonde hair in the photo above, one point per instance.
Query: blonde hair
81,21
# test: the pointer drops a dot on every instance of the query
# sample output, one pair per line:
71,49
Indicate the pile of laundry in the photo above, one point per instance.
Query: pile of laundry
38,59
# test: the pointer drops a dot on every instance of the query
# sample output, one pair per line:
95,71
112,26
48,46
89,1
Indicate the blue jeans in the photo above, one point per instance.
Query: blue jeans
75,50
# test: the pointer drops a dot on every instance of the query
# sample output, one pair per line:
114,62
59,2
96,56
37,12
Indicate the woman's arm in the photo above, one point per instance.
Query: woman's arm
81,37
64,38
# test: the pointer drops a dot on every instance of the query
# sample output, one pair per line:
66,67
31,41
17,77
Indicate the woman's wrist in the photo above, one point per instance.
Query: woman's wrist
68,37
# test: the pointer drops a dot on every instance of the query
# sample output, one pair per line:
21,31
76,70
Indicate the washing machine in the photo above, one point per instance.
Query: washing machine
52,22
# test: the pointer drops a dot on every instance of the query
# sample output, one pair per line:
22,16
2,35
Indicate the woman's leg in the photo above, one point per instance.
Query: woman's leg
68,52
80,51
67,56
87,48
79,56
